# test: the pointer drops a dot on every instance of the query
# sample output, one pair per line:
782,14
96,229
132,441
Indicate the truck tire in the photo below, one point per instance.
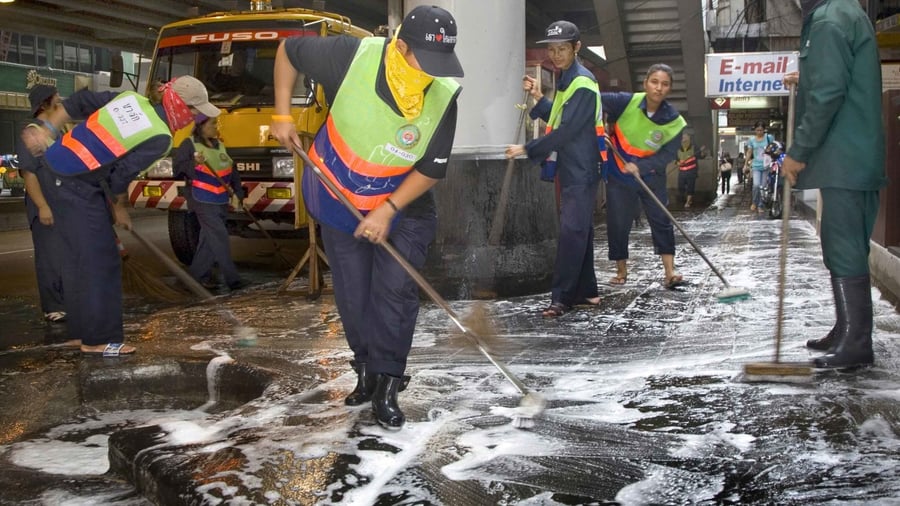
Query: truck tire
184,235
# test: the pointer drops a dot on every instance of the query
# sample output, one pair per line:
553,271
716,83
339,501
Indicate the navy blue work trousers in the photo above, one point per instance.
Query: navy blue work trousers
214,246
621,210
377,300
573,275
92,269
48,258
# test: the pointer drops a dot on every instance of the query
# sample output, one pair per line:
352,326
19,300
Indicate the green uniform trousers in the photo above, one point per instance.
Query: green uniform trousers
848,217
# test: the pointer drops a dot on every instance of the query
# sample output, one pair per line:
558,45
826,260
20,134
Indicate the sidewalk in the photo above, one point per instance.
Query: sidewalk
645,399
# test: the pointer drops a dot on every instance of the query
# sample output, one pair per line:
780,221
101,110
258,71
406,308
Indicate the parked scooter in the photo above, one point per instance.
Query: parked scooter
771,190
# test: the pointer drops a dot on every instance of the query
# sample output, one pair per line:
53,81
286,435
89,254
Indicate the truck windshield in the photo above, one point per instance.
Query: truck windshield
236,74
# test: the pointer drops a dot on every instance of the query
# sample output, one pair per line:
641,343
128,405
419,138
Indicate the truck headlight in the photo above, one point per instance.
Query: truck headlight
283,167
161,169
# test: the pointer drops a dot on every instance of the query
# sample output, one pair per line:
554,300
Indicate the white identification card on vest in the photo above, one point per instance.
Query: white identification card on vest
128,116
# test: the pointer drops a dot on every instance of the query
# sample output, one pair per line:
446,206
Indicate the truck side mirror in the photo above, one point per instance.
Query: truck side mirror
117,71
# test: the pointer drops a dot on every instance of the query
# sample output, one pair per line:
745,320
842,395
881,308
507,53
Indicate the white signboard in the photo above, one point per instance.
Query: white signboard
748,74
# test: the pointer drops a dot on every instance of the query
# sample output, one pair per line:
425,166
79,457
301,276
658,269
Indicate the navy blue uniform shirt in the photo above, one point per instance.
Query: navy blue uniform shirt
575,139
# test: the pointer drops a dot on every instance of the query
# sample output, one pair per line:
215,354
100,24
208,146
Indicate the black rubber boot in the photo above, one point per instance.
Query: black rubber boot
853,337
384,402
365,385
827,343
823,343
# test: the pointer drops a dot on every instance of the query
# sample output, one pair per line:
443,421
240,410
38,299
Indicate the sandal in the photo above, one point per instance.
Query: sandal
618,280
675,280
555,310
110,350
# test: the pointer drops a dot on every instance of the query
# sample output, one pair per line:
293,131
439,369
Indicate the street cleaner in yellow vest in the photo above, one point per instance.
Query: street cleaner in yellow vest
195,160
570,155
646,133
385,143
122,135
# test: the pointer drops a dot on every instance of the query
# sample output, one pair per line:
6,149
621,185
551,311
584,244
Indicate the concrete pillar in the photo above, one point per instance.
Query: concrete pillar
461,263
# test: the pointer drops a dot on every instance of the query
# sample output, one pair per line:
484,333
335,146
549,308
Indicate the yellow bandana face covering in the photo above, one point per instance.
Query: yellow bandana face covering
406,83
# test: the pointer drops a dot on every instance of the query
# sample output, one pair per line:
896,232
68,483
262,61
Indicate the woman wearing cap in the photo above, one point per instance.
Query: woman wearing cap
48,247
196,160
574,120
123,134
646,137
385,143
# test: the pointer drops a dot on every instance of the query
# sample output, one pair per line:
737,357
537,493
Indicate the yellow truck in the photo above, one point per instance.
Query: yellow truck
233,54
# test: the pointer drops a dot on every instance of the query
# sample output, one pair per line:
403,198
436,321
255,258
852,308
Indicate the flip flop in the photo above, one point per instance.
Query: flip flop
111,350
675,280
555,310
618,280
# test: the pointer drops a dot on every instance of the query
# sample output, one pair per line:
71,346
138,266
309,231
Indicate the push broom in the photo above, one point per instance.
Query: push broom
244,334
532,403
729,293
777,370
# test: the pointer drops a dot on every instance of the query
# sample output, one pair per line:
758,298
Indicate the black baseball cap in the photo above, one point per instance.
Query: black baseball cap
561,31
430,32
39,94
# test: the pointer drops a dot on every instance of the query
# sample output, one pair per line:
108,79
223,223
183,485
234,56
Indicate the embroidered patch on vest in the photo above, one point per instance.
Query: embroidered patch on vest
408,136
655,139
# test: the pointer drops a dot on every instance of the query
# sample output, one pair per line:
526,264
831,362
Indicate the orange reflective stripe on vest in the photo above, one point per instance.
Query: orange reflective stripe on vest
625,146
354,162
688,163
361,202
111,143
83,153
212,188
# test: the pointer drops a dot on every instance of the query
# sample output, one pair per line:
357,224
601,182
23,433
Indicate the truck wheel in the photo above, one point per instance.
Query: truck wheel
184,235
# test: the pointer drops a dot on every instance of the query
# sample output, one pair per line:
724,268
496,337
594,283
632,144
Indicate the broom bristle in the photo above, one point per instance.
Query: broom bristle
481,325
791,372
137,280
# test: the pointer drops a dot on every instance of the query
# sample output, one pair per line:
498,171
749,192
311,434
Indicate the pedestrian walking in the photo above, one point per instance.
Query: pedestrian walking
839,128
646,132
725,173
409,106
203,161
123,134
739,164
756,158
570,153
48,249
687,169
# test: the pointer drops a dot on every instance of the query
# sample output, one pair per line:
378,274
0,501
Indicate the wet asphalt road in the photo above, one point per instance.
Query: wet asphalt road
646,403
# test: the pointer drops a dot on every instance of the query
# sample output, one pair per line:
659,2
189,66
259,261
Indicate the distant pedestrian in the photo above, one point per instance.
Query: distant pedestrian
48,246
725,174
687,169
738,167
756,156
838,147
